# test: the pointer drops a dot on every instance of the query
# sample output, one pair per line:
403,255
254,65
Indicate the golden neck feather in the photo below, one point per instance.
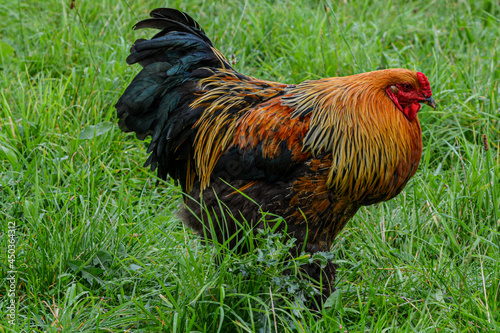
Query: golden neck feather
371,142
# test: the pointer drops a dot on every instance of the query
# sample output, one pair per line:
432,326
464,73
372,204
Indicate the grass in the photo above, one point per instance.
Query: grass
99,247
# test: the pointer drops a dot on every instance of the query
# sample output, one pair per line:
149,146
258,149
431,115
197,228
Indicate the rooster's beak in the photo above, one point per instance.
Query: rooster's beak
431,102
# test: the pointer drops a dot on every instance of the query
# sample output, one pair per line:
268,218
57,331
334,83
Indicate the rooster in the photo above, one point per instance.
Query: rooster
312,153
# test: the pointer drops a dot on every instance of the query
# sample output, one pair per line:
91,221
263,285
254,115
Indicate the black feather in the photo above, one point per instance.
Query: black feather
176,15
166,26
156,103
170,19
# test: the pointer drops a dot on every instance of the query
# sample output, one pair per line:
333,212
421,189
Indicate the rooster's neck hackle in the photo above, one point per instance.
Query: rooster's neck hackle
371,142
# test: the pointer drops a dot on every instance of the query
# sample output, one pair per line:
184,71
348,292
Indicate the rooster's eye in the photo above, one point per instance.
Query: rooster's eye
407,87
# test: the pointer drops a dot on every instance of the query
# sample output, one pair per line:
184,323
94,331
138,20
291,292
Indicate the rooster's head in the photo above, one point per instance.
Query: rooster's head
408,95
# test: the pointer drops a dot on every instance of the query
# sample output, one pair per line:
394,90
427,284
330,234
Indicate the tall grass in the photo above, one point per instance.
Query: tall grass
98,244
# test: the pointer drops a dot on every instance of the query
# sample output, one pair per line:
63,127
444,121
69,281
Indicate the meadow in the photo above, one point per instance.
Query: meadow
97,243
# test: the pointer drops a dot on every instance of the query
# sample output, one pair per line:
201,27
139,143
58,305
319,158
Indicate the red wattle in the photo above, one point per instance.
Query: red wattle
411,110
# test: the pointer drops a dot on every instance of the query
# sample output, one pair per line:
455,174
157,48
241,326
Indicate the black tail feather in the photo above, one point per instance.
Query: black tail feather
177,15
157,101
172,48
168,20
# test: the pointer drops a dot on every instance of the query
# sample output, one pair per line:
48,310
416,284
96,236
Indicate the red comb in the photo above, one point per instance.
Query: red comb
424,84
